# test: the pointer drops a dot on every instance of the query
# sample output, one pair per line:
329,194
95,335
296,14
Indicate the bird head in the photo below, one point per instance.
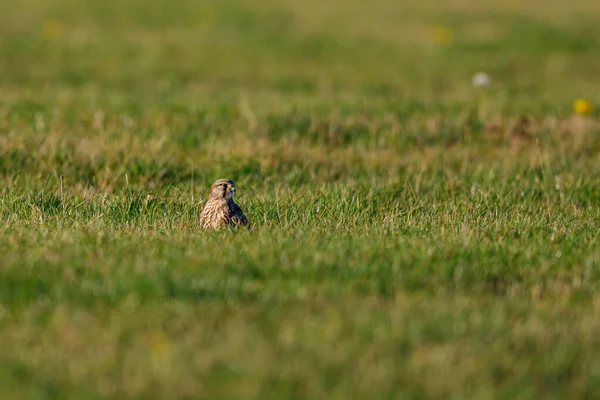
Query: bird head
222,189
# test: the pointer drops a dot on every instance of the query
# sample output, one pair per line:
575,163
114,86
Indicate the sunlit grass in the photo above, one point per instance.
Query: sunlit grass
413,236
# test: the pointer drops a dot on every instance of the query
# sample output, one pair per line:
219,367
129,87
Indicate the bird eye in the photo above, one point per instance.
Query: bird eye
225,185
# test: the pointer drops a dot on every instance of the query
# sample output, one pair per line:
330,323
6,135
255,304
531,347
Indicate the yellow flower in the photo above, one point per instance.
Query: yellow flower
443,35
582,106
52,29
159,344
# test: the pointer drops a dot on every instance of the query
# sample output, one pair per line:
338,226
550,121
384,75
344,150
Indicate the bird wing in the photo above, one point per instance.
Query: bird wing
237,215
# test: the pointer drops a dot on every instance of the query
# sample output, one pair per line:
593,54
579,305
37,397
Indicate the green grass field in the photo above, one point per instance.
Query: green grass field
413,236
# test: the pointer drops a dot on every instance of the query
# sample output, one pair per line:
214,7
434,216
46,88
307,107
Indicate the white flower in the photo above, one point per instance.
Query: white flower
481,79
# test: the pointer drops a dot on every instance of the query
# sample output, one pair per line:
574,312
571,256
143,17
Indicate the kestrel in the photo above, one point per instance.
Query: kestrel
220,209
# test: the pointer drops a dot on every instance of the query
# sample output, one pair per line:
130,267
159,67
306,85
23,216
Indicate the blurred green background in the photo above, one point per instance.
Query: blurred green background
414,49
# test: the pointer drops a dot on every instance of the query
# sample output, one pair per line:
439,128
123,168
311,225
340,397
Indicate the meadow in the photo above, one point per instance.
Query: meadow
413,236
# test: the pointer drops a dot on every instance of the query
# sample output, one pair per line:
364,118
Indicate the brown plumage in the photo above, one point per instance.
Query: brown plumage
220,209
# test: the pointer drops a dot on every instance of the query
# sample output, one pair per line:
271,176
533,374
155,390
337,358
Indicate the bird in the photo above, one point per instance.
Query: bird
220,209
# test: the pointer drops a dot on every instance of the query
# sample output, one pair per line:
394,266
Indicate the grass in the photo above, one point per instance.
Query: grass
412,237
